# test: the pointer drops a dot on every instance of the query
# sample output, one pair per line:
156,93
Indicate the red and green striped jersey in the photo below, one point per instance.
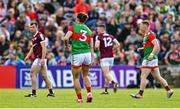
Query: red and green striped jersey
148,46
81,38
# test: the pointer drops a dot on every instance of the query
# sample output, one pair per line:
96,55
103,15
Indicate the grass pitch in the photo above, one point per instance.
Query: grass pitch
65,98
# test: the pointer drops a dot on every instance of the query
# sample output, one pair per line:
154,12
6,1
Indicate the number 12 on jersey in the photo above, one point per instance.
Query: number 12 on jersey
107,41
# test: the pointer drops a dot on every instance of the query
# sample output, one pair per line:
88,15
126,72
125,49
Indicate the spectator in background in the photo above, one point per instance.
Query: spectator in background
132,38
69,6
14,60
131,57
51,59
59,16
172,56
2,10
162,7
4,45
82,6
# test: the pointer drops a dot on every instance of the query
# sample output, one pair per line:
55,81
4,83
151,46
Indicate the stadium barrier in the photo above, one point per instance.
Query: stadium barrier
61,76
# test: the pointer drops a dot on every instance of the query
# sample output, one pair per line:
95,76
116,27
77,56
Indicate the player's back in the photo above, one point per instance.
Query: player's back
81,38
106,45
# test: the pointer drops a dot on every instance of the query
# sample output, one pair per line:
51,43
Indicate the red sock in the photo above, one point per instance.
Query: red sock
79,95
88,88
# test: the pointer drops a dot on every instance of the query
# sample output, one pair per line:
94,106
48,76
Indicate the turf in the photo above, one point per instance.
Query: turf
65,98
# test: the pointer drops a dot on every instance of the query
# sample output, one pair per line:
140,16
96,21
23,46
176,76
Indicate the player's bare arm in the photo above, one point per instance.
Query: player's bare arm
117,44
97,44
156,49
92,49
140,49
29,53
66,39
43,45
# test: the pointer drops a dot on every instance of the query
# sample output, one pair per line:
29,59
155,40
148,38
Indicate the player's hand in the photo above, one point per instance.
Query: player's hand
150,57
140,49
26,58
92,58
42,61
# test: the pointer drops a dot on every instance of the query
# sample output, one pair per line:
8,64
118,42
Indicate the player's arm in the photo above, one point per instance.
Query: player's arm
66,38
97,43
156,49
29,53
92,49
117,44
43,45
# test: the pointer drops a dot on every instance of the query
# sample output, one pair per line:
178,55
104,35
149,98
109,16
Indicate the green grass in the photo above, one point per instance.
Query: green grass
65,98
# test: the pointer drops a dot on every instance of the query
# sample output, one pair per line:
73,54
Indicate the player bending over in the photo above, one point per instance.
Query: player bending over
104,43
150,62
39,64
82,54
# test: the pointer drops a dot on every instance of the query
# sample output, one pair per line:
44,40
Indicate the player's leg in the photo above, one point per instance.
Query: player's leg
47,80
76,62
33,74
85,70
144,74
76,73
156,74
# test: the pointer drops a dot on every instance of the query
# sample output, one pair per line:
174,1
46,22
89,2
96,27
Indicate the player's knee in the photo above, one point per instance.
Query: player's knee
32,74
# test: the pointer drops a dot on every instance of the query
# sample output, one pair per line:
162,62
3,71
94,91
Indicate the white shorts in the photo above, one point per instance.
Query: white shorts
106,62
37,61
81,59
150,64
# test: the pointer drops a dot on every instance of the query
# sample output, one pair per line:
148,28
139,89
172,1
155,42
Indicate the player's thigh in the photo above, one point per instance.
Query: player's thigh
156,73
44,70
35,69
106,64
145,72
87,58
85,70
77,60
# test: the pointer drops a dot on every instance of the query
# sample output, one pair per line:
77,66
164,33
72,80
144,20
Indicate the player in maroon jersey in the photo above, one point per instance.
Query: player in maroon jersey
39,64
105,42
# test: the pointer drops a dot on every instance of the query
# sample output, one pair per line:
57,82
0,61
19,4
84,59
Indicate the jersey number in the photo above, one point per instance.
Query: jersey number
84,35
107,41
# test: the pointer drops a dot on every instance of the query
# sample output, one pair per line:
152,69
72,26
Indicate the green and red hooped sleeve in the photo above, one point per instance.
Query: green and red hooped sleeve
151,37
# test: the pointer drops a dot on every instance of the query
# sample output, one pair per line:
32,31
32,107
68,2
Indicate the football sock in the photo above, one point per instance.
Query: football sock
112,82
33,91
106,89
167,88
51,91
79,95
88,88
141,92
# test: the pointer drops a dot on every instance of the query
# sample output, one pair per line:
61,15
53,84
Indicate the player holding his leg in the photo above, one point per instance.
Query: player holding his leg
39,64
150,62
105,42
82,54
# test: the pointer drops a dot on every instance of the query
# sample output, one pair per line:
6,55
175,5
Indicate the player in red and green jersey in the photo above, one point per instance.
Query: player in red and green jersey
150,62
82,53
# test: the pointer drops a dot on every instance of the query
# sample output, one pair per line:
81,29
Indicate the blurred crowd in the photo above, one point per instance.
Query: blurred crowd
120,16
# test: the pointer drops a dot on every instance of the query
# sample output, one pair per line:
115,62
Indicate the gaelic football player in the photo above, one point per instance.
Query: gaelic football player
39,64
150,62
105,42
82,54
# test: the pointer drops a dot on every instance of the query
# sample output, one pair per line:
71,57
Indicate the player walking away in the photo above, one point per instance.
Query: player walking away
39,64
82,54
104,42
150,62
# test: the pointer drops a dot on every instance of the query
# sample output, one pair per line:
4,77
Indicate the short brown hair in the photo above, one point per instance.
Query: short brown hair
82,17
146,22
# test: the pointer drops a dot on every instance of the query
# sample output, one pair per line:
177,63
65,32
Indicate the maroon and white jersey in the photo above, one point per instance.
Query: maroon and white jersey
36,40
106,45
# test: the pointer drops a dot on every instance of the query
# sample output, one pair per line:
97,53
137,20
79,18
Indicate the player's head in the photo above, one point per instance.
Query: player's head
82,17
101,28
144,27
33,27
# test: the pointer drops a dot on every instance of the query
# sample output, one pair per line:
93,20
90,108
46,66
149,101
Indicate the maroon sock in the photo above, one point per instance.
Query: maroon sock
79,95
88,88
141,92
167,88
51,91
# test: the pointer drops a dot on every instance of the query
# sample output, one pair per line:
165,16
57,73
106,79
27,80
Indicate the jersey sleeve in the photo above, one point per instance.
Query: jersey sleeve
151,37
71,28
97,39
41,37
